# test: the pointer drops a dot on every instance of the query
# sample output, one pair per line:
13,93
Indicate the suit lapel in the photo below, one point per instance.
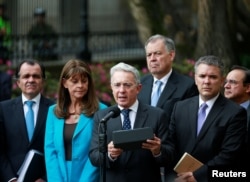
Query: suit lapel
166,93
141,116
59,124
114,123
248,116
19,115
41,117
147,89
139,123
83,122
168,90
192,117
214,112
59,142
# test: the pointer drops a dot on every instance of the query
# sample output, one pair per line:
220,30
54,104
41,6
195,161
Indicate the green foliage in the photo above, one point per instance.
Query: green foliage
101,78
50,87
185,67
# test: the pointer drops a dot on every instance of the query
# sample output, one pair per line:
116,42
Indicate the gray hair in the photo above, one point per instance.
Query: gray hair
169,43
127,68
210,60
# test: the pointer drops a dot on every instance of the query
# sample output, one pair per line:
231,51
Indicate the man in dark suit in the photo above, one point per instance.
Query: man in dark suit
237,85
14,140
142,164
219,142
5,85
237,89
160,54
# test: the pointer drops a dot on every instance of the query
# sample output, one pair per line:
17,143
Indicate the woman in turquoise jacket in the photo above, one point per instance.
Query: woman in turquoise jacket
69,126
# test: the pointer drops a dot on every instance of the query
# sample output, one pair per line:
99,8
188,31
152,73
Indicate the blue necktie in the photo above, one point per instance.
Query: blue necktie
29,117
156,94
126,122
201,116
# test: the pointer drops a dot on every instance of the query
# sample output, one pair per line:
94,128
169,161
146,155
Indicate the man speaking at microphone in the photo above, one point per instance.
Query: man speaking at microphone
142,164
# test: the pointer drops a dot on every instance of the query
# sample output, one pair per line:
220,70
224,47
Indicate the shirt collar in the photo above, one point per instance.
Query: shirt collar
133,107
245,104
165,78
210,102
35,99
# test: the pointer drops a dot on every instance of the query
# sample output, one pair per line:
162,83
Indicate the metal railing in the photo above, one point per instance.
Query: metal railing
103,47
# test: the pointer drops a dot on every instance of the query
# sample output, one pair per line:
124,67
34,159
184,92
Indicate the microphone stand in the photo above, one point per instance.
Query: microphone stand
103,140
103,149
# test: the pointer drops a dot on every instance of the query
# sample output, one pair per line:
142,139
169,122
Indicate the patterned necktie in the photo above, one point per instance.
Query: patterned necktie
126,122
201,116
156,94
29,117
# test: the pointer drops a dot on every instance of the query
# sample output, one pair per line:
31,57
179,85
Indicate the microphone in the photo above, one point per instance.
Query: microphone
111,114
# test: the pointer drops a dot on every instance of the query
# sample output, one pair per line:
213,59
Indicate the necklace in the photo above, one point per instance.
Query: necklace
76,116
73,118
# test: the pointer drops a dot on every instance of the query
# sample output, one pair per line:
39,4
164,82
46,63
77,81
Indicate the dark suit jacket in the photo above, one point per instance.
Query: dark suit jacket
137,165
178,87
14,138
248,138
220,141
5,86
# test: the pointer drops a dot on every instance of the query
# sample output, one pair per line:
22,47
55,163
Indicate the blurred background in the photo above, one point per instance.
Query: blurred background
117,29
96,31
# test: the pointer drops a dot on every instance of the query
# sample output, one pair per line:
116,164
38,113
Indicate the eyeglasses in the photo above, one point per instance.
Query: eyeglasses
125,85
231,82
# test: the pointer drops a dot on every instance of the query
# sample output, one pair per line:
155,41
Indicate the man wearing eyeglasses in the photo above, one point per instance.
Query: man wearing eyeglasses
237,86
237,89
142,164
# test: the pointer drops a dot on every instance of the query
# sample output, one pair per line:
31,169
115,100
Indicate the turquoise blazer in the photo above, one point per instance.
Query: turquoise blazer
82,169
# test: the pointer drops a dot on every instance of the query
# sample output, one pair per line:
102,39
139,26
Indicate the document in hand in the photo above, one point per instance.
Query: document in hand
187,163
132,139
32,168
